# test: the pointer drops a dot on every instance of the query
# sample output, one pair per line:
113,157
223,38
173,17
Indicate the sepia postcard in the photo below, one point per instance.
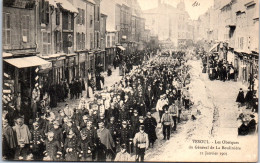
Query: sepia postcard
130,80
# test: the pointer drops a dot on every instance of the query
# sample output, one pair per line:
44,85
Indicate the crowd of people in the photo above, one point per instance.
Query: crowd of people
220,69
115,126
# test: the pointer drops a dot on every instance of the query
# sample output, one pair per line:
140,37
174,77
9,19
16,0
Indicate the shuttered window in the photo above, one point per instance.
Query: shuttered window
83,41
83,17
69,22
25,28
6,38
57,17
46,43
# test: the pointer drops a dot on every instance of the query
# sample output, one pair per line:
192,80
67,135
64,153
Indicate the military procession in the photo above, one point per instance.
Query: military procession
117,125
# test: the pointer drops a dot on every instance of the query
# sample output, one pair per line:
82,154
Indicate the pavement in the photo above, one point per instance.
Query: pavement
216,115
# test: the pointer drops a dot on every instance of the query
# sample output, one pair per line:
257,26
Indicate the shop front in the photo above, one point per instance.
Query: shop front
110,54
99,60
82,64
91,62
71,67
21,80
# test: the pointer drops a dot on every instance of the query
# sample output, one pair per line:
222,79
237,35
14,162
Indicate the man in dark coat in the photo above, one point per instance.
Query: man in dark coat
252,125
70,146
91,135
149,128
53,148
125,135
149,98
8,142
84,146
37,142
240,97
134,122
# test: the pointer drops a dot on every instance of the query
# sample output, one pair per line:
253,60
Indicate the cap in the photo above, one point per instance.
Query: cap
124,123
101,123
85,117
56,123
35,123
50,133
148,113
135,111
71,132
141,127
83,134
112,117
141,117
123,146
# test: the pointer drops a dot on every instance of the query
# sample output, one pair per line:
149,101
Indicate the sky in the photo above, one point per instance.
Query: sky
194,10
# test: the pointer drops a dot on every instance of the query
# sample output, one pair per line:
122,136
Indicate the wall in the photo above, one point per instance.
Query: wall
16,28
90,26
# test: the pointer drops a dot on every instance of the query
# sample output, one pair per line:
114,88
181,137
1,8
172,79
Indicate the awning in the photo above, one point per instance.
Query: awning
26,62
92,1
121,47
66,5
52,3
214,47
6,55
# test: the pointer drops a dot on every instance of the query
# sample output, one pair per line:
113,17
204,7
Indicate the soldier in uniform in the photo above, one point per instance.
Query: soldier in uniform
113,128
84,148
134,122
141,142
173,110
58,134
53,148
70,147
123,155
37,142
102,119
91,136
84,122
125,135
149,127
166,122
123,113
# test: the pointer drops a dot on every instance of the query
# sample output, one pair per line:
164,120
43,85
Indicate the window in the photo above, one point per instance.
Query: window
47,12
113,40
83,17
44,11
83,40
79,41
25,28
57,17
91,21
78,17
91,40
97,39
46,42
6,38
98,14
58,41
69,22
108,41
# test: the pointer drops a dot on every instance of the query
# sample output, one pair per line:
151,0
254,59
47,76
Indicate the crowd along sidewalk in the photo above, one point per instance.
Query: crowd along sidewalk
108,82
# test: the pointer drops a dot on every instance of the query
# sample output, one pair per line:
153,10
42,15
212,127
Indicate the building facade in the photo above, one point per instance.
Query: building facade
236,33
